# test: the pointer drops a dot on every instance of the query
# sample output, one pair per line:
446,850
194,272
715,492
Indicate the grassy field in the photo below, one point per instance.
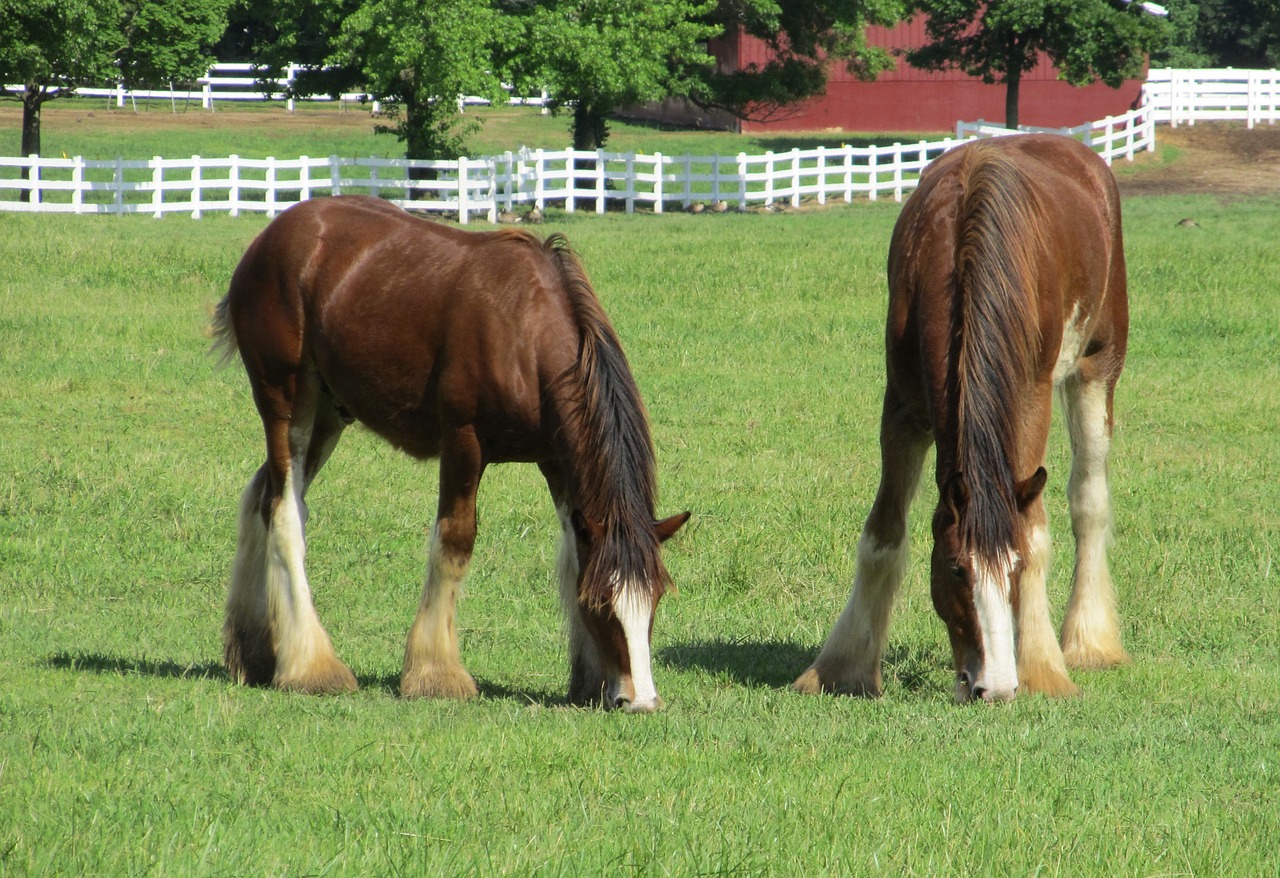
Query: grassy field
756,340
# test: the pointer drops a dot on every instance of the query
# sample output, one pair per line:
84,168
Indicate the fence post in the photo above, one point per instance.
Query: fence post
657,182
539,193
873,184
571,179
462,189
195,187
157,187
848,173
822,175
768,177
77,182
235,184
631,182
335,177
33,179
304,179
600,180
795,177
742,181
897,171
271,185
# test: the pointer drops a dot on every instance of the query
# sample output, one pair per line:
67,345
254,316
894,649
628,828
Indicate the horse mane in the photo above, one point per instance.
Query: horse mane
997,332
614,481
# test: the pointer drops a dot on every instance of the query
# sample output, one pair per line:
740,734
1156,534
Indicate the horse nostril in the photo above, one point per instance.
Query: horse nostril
621,701
979,694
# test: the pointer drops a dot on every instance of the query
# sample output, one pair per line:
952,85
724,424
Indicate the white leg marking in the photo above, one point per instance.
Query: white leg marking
1072,345
1090,629
634,610
247,597
433,637
998,677
857,642
299,636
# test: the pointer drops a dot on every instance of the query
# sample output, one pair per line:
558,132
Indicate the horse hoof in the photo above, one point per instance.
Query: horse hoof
1051,682
328,678
815,682
438,681
1094,658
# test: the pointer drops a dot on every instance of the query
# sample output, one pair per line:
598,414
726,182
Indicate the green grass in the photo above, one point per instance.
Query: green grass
757,342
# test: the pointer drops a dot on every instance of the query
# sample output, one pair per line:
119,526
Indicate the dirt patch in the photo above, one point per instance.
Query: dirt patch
1219,158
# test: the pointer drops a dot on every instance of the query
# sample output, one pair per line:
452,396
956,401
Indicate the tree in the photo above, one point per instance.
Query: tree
594,56
1239,33
51,47
166,41
417,57
805,37
999,40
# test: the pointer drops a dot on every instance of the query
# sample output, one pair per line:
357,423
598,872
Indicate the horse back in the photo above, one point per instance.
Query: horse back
413,327
1063,241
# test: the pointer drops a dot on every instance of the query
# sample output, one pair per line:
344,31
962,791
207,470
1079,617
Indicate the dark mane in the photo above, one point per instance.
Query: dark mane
615,483
997,333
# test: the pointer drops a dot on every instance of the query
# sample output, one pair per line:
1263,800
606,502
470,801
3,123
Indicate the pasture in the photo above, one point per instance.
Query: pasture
757,343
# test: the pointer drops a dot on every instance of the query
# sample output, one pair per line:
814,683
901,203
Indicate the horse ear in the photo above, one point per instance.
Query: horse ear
1028,490
954,495
667,528
587,530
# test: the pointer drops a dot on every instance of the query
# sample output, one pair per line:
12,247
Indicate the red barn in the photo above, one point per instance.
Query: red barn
906,99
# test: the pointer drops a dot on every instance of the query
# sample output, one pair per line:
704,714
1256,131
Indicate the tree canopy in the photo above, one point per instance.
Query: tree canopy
52,47
999,40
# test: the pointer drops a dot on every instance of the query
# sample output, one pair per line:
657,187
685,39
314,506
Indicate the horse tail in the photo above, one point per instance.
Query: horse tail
998,239
616,482
225,346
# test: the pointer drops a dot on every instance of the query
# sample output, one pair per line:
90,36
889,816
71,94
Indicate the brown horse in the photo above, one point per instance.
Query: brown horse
473,347
1006,281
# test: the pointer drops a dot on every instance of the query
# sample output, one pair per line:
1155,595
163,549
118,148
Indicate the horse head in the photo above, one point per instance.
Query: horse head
618,608
975,591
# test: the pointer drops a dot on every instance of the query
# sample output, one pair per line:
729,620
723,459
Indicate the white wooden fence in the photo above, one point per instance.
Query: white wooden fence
243,82
574,179
1112,138
1189,96
465,188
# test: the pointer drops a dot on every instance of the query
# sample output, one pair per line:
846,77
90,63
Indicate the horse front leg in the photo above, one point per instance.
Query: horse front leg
850,659
432,659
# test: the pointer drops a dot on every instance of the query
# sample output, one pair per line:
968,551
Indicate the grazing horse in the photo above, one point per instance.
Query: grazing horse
1006,282
473,347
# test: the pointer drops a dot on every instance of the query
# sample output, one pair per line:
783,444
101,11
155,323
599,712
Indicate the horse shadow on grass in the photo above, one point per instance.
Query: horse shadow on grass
126,666
776,664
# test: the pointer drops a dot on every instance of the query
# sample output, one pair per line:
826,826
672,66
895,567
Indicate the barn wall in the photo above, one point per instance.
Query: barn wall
910,100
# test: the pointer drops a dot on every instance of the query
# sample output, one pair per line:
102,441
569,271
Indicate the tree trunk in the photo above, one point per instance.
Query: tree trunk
1013,83
589,132
31,101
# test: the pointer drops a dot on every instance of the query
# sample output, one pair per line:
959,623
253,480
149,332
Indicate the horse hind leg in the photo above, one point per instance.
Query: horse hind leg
270,613
248,652
1090,634
850,660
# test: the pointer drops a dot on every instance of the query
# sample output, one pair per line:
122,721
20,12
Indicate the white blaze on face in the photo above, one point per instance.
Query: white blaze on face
634,610
998,677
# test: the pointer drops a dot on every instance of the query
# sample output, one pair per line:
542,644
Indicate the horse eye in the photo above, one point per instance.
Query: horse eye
958,572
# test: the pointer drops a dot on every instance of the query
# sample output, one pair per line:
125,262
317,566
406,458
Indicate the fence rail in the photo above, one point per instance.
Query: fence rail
247,82
1189,96
593,180
1112,138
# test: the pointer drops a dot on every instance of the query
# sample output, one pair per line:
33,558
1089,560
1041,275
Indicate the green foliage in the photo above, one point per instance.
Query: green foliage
52,47
804,39
598,55
999,40
169,41
1238,33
